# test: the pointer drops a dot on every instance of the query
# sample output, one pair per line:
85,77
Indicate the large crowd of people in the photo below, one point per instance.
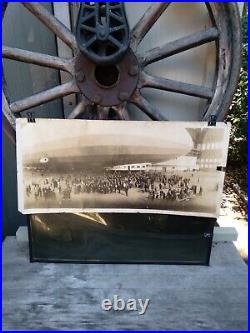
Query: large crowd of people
155,185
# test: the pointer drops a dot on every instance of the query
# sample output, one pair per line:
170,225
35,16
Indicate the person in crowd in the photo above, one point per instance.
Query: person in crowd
154,185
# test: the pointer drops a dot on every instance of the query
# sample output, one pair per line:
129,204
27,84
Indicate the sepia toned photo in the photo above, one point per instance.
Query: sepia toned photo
121,166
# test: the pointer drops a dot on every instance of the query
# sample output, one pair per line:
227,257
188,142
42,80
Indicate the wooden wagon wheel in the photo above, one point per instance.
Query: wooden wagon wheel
225,32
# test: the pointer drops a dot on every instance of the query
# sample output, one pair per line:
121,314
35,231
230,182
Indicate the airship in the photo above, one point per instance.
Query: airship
93,145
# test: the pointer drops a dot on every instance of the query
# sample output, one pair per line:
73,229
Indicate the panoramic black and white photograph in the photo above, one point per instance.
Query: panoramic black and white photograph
115,166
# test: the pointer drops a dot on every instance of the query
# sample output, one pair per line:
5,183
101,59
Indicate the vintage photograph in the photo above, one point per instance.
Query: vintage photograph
121,166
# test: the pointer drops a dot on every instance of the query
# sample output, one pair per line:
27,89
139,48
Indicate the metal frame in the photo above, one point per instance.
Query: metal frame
99,42
226,33
209,222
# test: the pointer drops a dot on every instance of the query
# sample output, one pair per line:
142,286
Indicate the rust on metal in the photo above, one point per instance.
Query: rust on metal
101,90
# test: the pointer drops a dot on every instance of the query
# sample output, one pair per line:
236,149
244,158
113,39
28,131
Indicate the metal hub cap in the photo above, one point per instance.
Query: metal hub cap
107,85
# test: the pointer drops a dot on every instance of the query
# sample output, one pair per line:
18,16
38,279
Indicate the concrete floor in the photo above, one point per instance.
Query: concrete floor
41,296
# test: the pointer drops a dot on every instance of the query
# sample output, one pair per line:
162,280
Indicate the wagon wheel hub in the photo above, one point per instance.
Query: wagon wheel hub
107,85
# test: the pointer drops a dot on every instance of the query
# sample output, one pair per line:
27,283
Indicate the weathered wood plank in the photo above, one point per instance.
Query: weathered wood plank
41,296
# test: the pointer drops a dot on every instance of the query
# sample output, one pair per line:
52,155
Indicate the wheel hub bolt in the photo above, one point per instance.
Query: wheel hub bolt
123,96
80,76
97,98
102,33
133,70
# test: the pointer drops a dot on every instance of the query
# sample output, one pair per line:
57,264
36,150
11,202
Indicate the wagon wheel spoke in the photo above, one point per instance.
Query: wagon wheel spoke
148,81
122,112
179,45
146,107
52,23
37,58
102,112
79,109
7,111
146,22
44,97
